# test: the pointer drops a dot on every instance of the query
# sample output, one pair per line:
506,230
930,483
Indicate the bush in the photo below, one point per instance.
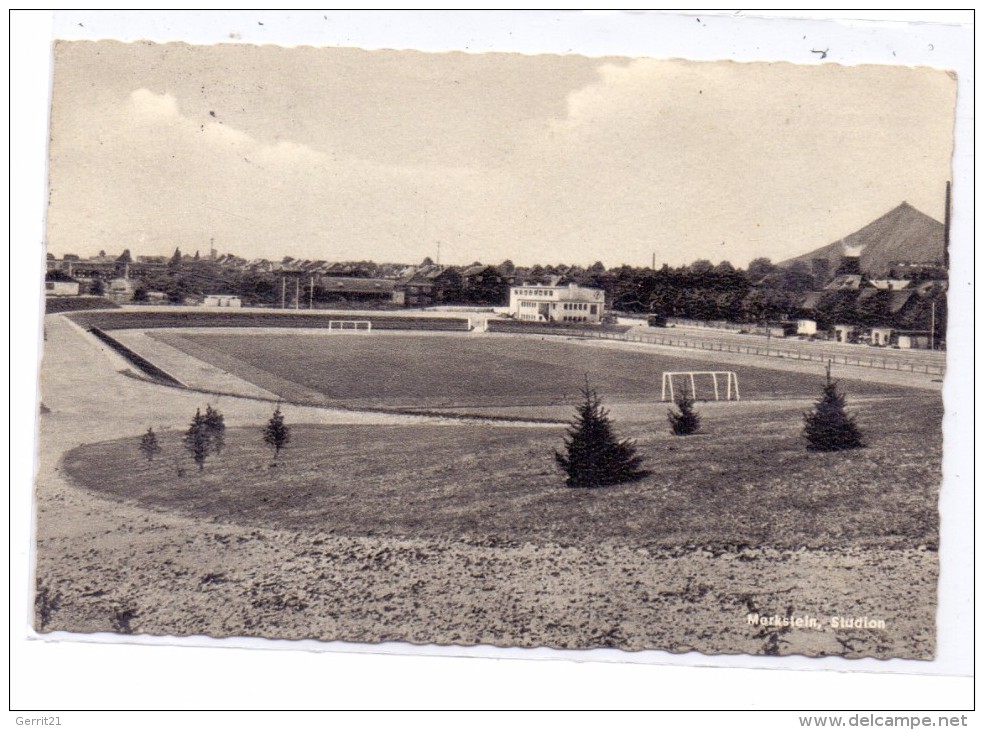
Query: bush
276,433
593,456
149,445
829,427
685,420
197,439
215,426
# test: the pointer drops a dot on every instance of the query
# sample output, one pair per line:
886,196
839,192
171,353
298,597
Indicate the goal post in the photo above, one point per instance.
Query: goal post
350,325
729,377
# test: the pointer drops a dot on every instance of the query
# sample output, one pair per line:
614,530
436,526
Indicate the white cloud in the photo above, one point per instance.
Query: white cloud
621,89
147,106
162,111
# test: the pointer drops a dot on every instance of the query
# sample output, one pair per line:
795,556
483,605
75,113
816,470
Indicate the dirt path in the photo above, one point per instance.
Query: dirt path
109,566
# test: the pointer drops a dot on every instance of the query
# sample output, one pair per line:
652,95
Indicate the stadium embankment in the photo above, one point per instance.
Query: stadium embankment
105,565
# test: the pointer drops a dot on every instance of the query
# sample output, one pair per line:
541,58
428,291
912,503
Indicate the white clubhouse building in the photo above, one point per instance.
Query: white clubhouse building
571,303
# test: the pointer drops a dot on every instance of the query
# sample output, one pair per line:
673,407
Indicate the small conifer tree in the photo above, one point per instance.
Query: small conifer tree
685,420
276,433
593,456
828,427
215,425
197,439
149,445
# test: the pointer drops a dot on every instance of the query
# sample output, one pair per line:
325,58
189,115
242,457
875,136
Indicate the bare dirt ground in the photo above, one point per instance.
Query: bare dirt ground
106,565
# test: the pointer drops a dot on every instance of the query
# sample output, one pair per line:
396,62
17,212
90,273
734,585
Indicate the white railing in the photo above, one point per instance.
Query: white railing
838,358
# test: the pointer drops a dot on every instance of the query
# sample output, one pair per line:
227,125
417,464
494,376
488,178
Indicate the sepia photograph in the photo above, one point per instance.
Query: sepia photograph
494,349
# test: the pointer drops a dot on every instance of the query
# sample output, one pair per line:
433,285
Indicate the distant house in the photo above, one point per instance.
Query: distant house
926,287
809,301
61,288
900,301
870,295
418,290
785,328
571,303
222,300
801,327
845,282
428,284
86,270
807,327
470,272
120,290
889,284
352,288
913,340
844,333
881,336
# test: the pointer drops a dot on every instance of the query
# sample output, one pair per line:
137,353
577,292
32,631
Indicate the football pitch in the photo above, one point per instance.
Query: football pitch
461,373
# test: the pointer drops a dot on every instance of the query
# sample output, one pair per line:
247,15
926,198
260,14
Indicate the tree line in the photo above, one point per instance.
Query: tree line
759,294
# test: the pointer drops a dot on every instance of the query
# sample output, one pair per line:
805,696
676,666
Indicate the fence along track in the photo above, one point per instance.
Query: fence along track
880,363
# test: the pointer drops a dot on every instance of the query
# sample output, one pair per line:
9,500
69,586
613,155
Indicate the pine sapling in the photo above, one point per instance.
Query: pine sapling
197,439
828,427
276,433
149,445
215,425
685,420
593,456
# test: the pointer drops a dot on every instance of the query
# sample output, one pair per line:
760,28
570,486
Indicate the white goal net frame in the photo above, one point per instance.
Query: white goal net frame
730,383
350,326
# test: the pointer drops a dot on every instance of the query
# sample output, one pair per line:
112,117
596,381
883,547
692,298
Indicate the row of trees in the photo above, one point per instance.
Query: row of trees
594,457
206,436
762,292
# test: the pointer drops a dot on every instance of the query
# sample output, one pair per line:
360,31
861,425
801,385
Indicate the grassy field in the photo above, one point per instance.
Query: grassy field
431,372
748,481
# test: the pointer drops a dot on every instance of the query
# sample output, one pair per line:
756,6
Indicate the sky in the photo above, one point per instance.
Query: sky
346,154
